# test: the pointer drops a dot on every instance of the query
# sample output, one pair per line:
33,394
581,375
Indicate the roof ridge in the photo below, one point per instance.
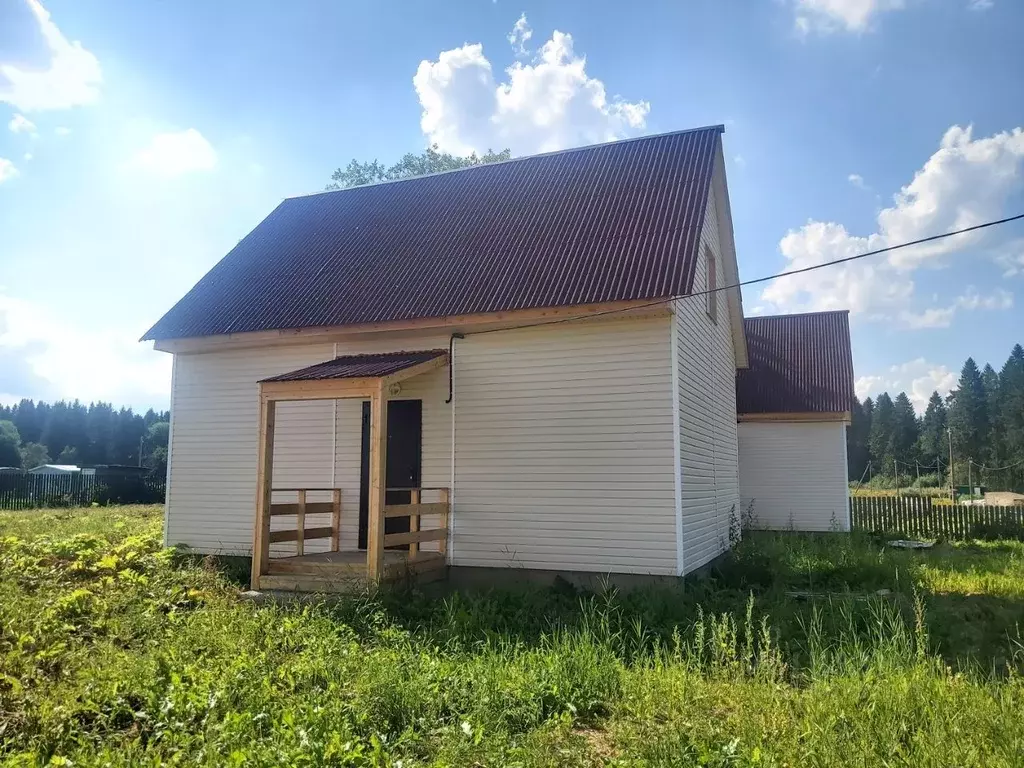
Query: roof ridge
799,314
719,127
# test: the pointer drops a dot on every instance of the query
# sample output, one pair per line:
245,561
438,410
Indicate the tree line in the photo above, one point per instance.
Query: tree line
982,418
64,432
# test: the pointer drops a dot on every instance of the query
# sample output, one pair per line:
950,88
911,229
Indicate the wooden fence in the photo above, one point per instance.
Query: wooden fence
20,490
919,516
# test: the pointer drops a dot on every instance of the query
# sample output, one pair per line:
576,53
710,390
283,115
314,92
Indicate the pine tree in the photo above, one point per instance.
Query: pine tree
968,418
932,439
857,438
904,430
880,438
993,455
1010,422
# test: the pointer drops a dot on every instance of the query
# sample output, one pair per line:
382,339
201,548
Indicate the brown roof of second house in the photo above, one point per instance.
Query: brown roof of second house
360,366
798,364
608,222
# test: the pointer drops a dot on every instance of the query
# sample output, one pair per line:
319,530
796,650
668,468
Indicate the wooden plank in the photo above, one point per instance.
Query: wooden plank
309,490
426,563
312,507
316,583
405,510
326,389
378,472
264,480
414,522
622,309
276,537
446,499
336,519
290,565
300,525
833,416
423,488
396,539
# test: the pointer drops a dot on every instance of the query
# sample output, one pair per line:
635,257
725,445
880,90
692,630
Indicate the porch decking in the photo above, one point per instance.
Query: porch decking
346,571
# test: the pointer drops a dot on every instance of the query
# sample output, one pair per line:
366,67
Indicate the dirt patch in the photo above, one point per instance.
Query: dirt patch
1004,498
600,743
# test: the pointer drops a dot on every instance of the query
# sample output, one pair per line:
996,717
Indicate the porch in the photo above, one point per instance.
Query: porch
298,540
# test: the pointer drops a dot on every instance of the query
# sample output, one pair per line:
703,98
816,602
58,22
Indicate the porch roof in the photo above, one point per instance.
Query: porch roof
361,366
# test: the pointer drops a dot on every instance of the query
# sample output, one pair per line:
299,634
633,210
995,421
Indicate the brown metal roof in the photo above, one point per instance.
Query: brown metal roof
360,366
798,364
608,222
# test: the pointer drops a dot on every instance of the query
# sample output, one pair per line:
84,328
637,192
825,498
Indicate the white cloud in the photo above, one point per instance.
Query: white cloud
61,130
942,317
28,156
980,5
1010,256
21,124
84,363
933,317
520,35
1000,298
857,180
71,77
918,378
966,181
7,170
550,103
834,15
176,153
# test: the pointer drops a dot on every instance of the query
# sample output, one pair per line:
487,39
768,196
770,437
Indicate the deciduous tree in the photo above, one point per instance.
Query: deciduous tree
432,160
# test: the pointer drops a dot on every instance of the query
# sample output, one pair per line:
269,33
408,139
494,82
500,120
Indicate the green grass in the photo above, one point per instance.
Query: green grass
115,652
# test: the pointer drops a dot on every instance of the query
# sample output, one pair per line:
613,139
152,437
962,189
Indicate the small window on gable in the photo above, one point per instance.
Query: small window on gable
712,295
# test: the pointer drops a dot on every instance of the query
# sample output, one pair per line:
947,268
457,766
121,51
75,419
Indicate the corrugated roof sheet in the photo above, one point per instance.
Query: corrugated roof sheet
798,364
360,366
608,222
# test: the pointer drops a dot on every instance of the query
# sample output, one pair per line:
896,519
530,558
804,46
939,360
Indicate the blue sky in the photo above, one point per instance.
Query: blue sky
140,141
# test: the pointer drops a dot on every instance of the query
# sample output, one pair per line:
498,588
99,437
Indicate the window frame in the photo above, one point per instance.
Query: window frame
711,281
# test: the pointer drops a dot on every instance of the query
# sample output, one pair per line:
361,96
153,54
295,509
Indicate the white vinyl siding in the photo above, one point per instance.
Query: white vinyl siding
793,475
212,465
706,380
564,448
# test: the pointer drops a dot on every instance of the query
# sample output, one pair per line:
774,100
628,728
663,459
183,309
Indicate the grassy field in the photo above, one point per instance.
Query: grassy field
115,652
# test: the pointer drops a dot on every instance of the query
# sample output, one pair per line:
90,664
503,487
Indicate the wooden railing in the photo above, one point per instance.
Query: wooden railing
415,511
300,509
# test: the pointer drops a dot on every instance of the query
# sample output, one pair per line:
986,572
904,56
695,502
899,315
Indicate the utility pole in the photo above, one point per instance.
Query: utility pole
970,482
949,433
141,438
917,466
896,474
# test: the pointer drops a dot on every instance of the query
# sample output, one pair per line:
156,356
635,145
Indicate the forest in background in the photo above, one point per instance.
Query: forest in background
983,417
64,432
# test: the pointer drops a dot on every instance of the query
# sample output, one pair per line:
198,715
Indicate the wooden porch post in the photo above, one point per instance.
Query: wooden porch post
378,475
264,483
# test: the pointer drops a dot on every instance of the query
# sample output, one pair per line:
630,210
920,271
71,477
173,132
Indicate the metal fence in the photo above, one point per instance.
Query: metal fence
921,516
21,490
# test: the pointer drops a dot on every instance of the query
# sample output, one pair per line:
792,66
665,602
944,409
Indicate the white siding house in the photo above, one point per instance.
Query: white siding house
575,407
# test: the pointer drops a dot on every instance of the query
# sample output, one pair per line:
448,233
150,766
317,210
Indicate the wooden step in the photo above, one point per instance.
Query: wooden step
308,583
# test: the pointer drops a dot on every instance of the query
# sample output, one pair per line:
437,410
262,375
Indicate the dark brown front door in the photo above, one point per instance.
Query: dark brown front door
405,433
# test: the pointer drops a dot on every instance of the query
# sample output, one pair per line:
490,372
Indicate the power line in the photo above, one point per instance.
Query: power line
756,280
994,469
